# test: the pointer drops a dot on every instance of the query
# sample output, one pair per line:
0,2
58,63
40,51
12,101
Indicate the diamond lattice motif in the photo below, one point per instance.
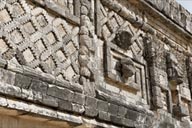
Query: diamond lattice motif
16,36
3,46
28,55
4,16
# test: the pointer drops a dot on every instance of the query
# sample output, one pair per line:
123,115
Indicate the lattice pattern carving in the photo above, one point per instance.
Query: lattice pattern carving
71,6
30,36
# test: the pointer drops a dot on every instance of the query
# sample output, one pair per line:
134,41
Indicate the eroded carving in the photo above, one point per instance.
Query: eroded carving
174,72
123,39
128,68
189,70
180,110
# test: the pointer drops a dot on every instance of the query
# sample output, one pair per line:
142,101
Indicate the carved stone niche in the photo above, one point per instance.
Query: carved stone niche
121,68
174,71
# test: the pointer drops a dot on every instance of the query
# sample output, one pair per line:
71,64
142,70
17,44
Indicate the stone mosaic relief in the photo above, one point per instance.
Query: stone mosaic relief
30,36
123,57
168,72
70,6
178,82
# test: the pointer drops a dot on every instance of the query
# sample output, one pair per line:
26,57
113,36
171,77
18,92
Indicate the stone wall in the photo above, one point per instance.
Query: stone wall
97,63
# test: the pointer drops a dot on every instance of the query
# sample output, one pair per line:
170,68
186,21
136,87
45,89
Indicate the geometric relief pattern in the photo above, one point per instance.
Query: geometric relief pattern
30,36
109,24
70,6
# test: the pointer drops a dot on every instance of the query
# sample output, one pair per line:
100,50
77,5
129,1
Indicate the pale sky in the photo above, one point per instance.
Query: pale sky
186,4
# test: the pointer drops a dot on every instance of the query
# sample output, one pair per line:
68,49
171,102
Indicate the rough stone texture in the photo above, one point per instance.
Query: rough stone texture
96,63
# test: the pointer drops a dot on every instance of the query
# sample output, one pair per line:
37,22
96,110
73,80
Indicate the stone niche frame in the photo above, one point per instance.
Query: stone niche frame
113,52
137,83
108,31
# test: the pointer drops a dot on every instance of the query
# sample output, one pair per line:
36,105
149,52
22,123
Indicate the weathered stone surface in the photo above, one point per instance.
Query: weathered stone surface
116,119
181,110
122,111
157,101
91,112
113,109
102,106
91,102
61,93
79,98
156,91
11,90
78,108
128,68
38,86
50,101
7,76
65,105
128,122
132,115
104,116
174,71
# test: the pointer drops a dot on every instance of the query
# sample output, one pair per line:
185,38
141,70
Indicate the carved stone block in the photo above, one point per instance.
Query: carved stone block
190,109
189,71
128,68
156,91
181,110
185,93
157,101
159,78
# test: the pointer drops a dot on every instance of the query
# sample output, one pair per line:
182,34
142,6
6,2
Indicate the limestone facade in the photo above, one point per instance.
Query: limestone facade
95,64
